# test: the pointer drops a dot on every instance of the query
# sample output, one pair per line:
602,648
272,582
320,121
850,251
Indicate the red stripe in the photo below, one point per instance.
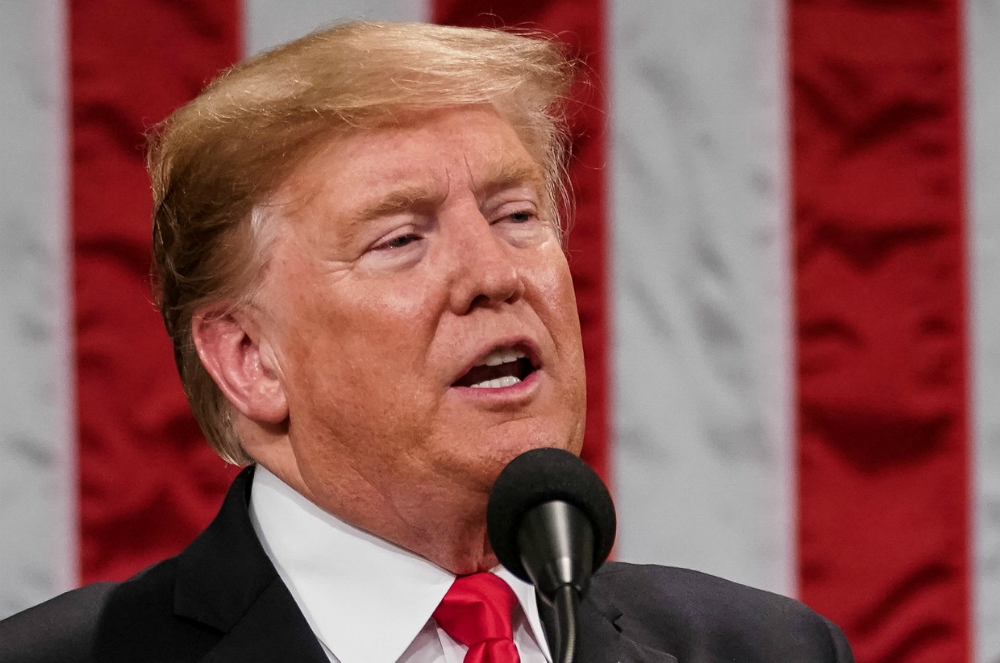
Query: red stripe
148,482
581,24
880,295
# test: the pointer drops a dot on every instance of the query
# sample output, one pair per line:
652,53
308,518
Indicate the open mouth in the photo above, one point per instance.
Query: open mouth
503,367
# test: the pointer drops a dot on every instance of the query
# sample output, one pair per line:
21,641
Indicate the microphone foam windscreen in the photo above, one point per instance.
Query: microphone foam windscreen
545,475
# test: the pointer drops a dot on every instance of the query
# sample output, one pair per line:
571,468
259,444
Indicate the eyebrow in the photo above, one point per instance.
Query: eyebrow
499,177
399,200
506,175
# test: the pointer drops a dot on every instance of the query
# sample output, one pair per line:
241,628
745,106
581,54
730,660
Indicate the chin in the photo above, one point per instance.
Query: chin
509,452
487,564
477,467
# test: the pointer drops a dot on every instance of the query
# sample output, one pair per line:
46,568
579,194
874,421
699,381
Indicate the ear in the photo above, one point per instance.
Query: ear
241,362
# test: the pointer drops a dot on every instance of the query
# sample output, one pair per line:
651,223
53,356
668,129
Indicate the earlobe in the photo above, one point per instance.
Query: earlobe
241,362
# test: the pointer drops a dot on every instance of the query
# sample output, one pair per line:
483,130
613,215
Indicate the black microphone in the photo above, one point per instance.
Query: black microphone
551,522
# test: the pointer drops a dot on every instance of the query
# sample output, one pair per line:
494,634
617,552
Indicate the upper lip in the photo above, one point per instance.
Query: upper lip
522,344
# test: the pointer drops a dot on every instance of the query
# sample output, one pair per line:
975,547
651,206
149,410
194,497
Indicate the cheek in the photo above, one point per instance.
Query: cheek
564,326
555,291
362,327
358,367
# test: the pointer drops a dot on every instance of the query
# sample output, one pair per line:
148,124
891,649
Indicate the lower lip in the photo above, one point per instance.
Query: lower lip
514,393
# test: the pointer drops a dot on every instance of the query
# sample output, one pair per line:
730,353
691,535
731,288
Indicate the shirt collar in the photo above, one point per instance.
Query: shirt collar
366,599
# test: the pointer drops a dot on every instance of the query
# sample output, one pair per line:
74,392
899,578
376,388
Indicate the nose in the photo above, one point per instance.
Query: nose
482,265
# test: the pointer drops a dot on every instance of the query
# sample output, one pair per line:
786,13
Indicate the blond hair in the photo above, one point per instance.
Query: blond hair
216,161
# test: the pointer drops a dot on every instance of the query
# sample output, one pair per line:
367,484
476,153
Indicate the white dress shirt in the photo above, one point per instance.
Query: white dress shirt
368,600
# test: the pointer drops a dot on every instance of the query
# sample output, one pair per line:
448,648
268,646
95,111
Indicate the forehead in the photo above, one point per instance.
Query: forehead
472,147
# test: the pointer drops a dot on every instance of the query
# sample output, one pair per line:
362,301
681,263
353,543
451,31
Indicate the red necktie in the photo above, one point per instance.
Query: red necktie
476,612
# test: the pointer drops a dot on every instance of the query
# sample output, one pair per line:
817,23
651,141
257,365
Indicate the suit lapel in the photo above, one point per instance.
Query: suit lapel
273,629
225,580
600,641
601,637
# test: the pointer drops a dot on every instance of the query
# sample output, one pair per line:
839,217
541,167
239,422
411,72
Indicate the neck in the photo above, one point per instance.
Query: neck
449,530
446,525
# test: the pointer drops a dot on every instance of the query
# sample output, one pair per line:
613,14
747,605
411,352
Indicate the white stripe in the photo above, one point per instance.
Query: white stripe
270,22
982,26
700,260
37,473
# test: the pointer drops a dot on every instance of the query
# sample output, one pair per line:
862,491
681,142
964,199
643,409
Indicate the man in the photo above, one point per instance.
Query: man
359,259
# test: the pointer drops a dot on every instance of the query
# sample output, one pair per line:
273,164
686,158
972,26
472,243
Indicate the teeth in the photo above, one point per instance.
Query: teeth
497,383
501,356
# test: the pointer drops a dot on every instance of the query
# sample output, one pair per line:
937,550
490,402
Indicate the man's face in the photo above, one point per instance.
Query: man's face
421,312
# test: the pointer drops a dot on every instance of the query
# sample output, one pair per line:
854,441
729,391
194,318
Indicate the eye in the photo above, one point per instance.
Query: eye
396,242
516,214
522,216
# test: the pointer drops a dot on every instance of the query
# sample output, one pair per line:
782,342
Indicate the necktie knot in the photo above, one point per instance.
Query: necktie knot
476,612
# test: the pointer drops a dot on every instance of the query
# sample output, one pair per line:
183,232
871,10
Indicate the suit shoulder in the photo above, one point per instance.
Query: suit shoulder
709,614
61,629
653,584
101,622
140,621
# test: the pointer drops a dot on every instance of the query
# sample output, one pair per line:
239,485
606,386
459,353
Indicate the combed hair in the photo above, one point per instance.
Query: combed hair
217,161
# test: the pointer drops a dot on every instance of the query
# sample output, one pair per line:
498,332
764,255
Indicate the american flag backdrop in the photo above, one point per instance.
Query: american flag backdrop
787,256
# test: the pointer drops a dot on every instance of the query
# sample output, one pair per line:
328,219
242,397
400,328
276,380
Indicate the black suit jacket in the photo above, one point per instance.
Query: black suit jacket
221,600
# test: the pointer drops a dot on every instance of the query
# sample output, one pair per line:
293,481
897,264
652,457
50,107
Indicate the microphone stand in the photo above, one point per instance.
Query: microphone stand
556,541
567,601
